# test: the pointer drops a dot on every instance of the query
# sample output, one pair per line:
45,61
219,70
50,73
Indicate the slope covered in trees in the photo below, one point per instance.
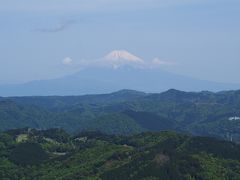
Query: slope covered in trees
129,112
53,154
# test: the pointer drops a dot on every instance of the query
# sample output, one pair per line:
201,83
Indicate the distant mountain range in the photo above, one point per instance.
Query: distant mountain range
129,112
106,80
117,70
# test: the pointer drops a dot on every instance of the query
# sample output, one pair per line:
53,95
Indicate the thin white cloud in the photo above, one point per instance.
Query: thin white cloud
61,27
67,61
161,62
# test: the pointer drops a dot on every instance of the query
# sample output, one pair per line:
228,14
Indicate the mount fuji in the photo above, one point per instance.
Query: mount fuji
115,71
122,55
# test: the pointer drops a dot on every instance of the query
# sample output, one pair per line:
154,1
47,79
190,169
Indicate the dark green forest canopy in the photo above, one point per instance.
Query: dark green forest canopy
54,154
129,112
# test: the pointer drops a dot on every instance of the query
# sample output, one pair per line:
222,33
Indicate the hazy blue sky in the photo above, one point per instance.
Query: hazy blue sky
201,37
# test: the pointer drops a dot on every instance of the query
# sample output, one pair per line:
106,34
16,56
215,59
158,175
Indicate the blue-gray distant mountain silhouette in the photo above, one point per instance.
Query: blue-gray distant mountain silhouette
105,80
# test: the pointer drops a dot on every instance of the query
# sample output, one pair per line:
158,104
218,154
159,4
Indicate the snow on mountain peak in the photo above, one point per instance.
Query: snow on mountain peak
118,55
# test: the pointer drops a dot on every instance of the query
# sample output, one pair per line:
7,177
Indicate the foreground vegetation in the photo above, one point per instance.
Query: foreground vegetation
54,154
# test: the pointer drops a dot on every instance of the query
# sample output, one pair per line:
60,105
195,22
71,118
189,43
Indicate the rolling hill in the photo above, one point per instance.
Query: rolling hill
129,112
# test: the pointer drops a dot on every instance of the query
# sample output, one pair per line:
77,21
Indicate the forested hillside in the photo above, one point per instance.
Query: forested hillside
129,112
54,154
